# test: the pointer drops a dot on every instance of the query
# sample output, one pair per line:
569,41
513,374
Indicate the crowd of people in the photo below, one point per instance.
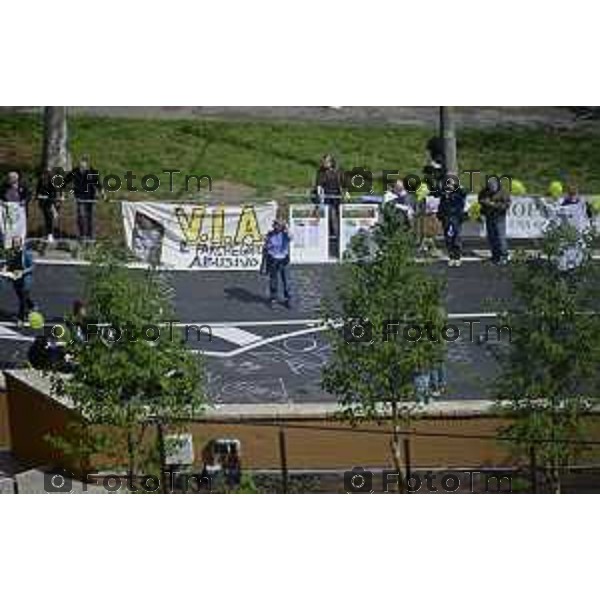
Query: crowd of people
53,187
330,189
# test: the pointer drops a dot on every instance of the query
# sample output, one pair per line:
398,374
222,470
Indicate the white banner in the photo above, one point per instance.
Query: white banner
13,222
198,236
309,228
525,219
355,218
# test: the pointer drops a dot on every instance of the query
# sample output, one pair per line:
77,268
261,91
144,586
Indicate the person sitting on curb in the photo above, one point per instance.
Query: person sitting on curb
45,353
276,258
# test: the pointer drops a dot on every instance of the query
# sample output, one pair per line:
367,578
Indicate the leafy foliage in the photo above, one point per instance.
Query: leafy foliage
128,381
383,283
549,378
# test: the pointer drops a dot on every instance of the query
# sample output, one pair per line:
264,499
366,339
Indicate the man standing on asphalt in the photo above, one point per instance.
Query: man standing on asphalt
329,186
276,258
86,187
49,198
495,201
20,267
451,213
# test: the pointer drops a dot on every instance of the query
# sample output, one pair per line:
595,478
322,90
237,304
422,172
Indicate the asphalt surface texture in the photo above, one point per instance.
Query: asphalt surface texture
256,353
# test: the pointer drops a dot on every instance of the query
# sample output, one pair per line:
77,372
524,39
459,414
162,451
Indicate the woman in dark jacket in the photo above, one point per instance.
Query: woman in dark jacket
329,186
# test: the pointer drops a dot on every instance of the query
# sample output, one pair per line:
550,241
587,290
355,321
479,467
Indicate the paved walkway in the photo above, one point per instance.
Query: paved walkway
468,116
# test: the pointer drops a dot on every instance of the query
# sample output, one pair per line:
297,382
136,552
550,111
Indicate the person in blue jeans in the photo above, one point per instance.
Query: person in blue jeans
495,202
451,213
276,259
430,383
20,265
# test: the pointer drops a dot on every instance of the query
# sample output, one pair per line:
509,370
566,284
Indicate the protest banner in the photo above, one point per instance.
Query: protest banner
198,236
309,228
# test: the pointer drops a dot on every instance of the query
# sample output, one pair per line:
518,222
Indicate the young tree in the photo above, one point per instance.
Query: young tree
374,362
129,370
549,377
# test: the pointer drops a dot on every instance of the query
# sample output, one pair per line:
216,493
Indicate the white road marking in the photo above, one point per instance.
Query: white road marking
262,342
237,336
11,334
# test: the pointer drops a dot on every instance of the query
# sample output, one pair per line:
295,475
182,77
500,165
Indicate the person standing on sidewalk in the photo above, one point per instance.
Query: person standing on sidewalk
495,201
20,267
48,197
276,258
86,188
451,213
329,187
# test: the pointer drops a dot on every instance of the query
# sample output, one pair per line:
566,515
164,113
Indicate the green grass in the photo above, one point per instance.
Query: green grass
277,157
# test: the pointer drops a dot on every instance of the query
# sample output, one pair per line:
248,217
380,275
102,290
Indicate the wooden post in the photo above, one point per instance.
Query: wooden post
283,456
533,470
406,442
163,457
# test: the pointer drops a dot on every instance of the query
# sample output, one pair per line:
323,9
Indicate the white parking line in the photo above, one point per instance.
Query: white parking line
11,334
237,336
262,342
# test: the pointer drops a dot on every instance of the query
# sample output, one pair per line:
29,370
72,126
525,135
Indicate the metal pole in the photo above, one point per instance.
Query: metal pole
533,470
283,456
163,457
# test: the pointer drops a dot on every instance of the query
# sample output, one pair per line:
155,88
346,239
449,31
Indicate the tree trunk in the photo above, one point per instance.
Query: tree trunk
131,454
56,147
447,134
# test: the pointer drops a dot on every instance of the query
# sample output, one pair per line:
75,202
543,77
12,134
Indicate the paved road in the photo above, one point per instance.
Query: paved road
258,354
471,116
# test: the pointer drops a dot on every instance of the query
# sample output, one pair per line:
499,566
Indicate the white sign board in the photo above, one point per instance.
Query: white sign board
13,222
309,229
198,236
355,218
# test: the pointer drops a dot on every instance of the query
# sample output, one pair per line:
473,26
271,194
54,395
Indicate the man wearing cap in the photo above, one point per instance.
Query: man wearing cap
276,258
